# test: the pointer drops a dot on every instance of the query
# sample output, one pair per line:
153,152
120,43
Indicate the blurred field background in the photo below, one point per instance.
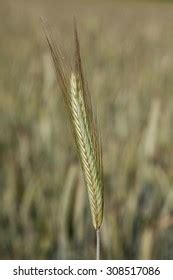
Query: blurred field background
127,51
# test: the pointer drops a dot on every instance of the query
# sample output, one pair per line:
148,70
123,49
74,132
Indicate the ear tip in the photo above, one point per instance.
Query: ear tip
75,27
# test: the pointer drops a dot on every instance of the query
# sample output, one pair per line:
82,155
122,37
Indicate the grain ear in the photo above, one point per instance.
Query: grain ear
83,123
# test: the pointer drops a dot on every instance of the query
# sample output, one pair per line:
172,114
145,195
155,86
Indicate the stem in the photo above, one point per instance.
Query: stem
98,244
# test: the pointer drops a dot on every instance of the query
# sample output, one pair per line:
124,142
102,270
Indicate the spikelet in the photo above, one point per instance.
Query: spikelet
83,124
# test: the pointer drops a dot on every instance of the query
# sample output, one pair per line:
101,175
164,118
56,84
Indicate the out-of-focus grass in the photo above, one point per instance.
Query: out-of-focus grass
127,51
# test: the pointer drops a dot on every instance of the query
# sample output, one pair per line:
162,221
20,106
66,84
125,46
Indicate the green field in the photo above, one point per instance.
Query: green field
127,52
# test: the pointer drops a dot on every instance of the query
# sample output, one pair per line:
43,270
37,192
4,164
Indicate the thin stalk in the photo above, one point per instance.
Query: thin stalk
98,244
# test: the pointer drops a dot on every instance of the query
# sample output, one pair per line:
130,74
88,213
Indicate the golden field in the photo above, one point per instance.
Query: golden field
127,52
